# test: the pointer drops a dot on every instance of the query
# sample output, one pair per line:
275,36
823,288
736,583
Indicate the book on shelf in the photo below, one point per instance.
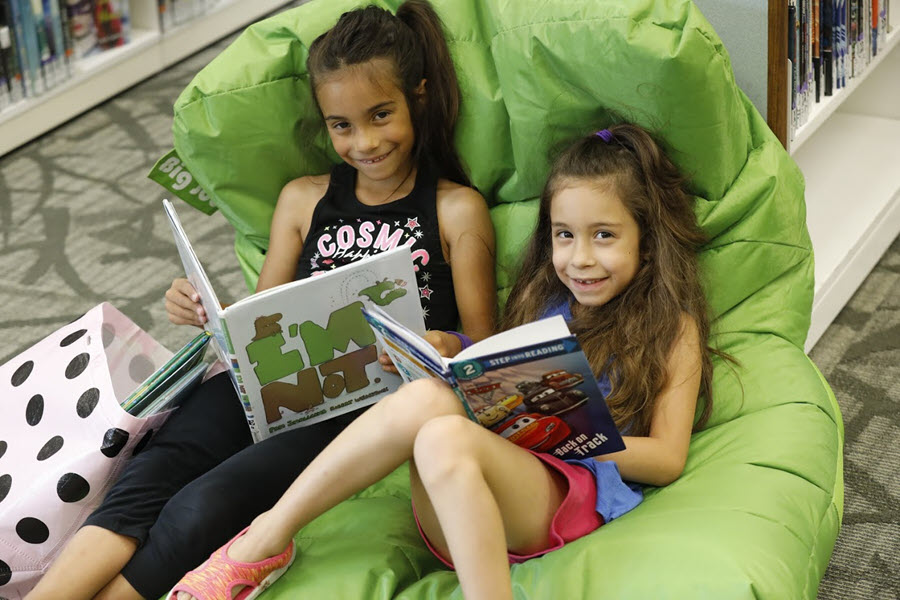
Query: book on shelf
112,23
829,43
531,384
169,385
303,352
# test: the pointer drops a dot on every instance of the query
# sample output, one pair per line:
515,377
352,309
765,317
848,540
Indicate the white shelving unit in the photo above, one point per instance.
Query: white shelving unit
104,75
849,152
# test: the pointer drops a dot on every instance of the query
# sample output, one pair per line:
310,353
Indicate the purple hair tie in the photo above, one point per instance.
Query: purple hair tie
605,135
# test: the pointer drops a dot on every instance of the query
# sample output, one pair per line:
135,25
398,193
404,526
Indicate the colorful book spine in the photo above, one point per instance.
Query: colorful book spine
827,46
816,51
55,33
793,35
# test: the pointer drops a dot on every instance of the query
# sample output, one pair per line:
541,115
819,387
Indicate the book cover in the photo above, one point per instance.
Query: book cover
169,375
532,385
82,30
111,21
303,352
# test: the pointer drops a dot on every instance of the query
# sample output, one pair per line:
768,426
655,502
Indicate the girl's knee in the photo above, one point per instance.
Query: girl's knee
423,399
444,445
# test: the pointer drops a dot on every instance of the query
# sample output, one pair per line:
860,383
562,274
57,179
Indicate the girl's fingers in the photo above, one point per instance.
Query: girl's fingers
387,364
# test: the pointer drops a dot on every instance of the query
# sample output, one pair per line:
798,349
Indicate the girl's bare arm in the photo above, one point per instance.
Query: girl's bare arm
467,236
290,224
659,458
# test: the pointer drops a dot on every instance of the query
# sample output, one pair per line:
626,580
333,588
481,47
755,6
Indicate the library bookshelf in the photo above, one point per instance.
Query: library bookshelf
848,150
849,153
102,76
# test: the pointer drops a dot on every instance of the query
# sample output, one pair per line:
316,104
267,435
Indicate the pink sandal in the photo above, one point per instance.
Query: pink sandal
219,575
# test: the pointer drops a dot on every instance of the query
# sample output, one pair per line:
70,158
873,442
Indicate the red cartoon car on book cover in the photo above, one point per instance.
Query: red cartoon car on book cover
536,432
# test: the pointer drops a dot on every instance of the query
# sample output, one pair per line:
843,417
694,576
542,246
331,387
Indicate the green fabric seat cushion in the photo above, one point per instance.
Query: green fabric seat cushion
757,510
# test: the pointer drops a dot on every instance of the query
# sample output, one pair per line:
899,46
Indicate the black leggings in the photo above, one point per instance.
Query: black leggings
200,481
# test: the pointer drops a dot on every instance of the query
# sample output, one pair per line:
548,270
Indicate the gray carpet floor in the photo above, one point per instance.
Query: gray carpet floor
81,224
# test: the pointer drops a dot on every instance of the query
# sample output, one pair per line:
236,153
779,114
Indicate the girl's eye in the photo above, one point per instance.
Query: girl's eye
563,234
381,115
340,125
603,235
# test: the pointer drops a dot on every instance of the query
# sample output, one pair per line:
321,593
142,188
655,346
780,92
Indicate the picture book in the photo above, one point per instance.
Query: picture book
303,352
164,388
532,384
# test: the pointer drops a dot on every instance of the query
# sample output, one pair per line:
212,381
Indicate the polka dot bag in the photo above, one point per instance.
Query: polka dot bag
63,436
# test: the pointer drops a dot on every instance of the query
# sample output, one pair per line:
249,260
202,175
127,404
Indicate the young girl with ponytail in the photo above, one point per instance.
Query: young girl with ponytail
387,93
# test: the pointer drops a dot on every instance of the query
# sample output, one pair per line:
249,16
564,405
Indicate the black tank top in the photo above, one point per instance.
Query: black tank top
343,230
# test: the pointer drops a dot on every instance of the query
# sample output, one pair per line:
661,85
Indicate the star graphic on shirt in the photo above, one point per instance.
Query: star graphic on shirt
359,220
412,223
425,312
425,292
378,222
419,234
396,223
340,220
426,276
316,256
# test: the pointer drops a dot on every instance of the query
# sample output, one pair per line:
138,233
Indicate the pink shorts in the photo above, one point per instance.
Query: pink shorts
576,516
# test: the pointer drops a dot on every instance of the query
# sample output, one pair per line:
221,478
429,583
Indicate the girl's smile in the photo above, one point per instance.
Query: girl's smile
596,241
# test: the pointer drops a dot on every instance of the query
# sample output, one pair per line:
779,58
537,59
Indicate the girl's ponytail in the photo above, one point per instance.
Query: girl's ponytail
438,114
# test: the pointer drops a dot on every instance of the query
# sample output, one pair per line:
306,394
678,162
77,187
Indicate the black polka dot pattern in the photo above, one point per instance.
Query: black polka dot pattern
77,365
140,368
3,446
34,411
143,443
32,531
5,485
22,373
5,573
52,446
113,442
87,402
72,337
72,487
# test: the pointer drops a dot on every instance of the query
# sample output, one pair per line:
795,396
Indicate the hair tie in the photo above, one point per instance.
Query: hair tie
605,135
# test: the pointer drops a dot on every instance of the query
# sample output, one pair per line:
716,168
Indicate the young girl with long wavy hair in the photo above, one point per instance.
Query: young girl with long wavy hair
387,92
614,252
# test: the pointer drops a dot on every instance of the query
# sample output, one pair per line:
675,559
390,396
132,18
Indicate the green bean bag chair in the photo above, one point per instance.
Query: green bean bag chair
757,510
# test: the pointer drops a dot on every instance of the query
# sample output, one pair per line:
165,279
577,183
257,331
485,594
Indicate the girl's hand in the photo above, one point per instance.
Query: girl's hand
183,304
446,344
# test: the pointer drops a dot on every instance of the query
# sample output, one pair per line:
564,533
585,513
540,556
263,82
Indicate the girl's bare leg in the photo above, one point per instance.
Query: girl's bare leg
92,558
476,495
376,443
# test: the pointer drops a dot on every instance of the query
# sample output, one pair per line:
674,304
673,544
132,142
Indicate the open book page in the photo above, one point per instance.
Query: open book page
411,354
197,276
528,334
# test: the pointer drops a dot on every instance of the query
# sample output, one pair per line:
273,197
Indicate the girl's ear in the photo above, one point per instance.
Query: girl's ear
420,91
